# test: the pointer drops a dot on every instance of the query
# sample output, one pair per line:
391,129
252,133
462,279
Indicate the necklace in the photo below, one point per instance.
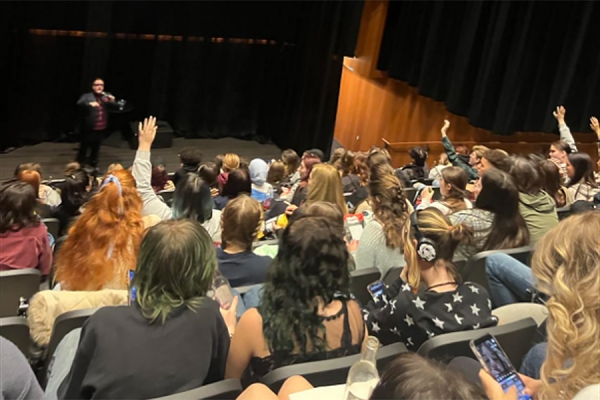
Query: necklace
441,284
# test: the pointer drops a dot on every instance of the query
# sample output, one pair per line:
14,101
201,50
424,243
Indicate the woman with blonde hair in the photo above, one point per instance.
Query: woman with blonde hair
453,187
566,268
103,242
325,184
428,296
231,161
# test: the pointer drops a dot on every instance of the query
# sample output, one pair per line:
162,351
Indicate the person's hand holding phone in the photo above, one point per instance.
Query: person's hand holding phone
230,315
494,390
427,193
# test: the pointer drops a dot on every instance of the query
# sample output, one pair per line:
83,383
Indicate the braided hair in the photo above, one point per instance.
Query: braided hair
389,203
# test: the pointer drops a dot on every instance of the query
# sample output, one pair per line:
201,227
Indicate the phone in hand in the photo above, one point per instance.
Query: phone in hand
132,289
376,289
223,293
495,361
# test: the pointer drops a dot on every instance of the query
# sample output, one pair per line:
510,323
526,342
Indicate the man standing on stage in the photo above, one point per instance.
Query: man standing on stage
94,121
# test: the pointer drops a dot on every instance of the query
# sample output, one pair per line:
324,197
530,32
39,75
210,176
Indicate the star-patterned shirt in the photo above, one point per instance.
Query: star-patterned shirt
401,315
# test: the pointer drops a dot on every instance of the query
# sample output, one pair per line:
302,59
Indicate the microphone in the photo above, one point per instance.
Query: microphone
104,94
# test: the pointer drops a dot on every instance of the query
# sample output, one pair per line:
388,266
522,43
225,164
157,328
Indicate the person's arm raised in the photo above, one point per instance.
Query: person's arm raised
142,171
448,146
563,129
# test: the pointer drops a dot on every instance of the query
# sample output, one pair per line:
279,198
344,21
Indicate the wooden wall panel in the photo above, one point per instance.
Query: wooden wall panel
373,107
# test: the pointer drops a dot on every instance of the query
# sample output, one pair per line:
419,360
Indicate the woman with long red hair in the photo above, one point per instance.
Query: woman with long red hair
102,244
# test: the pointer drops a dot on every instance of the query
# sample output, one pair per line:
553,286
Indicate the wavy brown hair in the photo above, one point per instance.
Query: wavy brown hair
566,263
103,243
389,203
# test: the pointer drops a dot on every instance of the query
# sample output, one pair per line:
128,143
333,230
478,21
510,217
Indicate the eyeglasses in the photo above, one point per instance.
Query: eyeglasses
98,84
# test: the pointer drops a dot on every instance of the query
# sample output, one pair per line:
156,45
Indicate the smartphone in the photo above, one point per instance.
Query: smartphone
376,289
132,289
354,226
495,361
223,293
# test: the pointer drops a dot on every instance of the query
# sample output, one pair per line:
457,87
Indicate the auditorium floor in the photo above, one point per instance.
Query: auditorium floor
54,156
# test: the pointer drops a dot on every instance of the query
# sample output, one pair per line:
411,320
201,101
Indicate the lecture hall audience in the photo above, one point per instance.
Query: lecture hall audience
299,306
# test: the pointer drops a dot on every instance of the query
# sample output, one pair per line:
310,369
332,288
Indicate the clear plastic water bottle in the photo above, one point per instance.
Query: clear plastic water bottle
363,376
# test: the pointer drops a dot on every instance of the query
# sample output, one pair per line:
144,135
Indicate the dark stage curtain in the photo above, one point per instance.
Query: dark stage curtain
202,75
505,65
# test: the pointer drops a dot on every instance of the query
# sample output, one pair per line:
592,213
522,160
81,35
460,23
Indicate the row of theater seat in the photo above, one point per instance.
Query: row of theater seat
518,323
18,284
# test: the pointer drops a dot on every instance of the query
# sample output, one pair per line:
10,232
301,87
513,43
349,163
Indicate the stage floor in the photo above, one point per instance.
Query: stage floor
54,156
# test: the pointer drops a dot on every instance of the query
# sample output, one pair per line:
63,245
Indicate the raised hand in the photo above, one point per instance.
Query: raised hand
146,133
595,126
559,114
445,127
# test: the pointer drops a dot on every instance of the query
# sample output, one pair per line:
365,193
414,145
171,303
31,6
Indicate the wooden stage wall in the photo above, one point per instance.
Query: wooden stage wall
373,107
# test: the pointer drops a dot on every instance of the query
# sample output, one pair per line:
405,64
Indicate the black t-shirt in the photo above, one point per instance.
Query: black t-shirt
244,268
122,356
400,314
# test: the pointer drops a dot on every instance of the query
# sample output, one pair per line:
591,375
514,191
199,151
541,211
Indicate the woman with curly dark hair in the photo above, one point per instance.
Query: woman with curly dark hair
381,242
305,313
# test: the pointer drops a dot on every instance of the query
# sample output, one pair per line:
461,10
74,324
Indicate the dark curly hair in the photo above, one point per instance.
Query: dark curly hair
389,203
311,266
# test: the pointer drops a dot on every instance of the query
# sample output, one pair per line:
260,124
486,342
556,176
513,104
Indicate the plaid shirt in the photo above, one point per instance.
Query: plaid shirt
100,123
481,222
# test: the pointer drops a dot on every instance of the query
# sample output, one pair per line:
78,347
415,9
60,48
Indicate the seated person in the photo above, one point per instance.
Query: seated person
18,380
171,339
238,182
565,268
33,178
381,241
291,162
580,170
241,222
305,313
190,159
191,199
417,170
276,177
209,174
535,205
23,237
496,221
160,179
412,314
453,184
230,162
103,242
553,184
46,194
261,189
74,194
409,376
